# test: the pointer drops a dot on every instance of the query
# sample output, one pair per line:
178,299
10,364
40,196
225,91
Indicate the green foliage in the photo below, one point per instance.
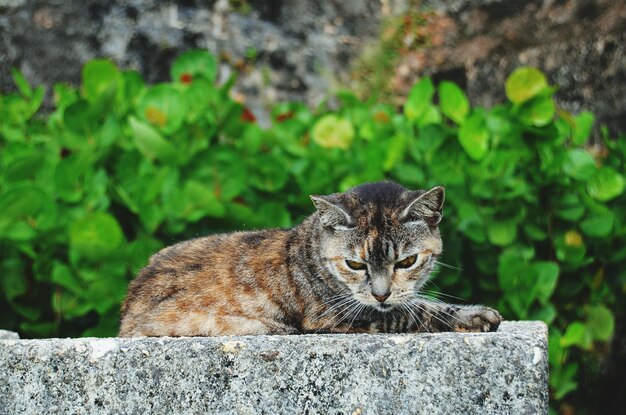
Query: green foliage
534,217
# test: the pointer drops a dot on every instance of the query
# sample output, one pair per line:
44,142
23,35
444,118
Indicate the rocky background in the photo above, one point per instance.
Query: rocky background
302,50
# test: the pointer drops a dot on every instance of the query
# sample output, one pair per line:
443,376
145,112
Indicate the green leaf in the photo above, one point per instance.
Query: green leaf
70,305
22,208
570,207
36,100
100,77
41,330
199,96
62,276
419,100
474,137
69,177
78,119
534,232
104,294
563,380
24,167
96,236
598,225
150,143
395,151
409,174
600,323
194,63
139,251
332,131
430,116
108,325
133,86
269,173
525,83
163,107
13,278
502,233
579,164
199,201
542,111
577,334
583,125
517,280
546,313
453,102
538,112
555,350
22,84
547,276
606,184
274,215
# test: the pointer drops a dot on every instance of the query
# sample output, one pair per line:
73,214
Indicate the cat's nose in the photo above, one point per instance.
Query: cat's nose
381,298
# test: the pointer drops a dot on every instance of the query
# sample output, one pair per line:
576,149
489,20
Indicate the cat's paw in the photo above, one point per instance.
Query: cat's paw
477,319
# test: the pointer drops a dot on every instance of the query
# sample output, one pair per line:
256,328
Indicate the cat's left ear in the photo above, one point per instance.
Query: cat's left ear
332,214
426,206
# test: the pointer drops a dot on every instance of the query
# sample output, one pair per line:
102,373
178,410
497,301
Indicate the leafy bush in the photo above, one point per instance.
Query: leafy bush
535,216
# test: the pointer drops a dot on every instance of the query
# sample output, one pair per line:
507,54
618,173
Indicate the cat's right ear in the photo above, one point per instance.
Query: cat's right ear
426,206
332,215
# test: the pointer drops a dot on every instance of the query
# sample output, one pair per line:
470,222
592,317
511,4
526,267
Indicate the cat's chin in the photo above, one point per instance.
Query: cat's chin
383,307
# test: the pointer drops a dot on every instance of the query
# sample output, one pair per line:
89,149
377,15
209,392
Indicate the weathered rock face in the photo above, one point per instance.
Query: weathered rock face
299,50
296,46
490,373
579,44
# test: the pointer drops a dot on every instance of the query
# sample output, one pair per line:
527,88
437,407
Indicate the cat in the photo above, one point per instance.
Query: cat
355,265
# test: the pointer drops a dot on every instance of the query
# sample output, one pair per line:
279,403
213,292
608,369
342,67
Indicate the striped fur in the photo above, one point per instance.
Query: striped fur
297,280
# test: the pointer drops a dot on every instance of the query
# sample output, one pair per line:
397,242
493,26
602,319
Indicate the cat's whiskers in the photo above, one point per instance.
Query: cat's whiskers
336,301
443,264
343,313
423,301
411,314
452,316
337,309
435,293
356,314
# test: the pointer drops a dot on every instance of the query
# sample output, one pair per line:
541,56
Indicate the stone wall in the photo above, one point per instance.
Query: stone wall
302,50
505,372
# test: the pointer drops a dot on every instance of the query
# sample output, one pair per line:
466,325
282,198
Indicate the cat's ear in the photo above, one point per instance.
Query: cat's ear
425,207
332,215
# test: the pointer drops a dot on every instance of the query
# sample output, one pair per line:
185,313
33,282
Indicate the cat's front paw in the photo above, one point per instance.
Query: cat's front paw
477,319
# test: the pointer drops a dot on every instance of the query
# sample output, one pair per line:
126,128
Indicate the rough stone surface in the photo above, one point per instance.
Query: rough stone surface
447,373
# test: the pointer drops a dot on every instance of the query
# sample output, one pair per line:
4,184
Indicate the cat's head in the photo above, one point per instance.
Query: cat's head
381,240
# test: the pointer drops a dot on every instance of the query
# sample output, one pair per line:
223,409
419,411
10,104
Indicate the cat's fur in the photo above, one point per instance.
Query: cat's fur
298,280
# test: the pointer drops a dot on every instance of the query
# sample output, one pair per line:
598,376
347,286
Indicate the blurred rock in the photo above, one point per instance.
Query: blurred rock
579,44
9,335
300,50
291,50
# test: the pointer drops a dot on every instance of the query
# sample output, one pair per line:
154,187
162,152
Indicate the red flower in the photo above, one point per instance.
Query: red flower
247,115
284,116
186,78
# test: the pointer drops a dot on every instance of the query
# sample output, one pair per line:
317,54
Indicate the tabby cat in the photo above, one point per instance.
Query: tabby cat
355,265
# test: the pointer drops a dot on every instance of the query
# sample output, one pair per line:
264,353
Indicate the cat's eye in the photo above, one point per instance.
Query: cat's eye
357,266
406,262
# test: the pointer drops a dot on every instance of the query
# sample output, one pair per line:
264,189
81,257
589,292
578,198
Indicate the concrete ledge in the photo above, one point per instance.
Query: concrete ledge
446,373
